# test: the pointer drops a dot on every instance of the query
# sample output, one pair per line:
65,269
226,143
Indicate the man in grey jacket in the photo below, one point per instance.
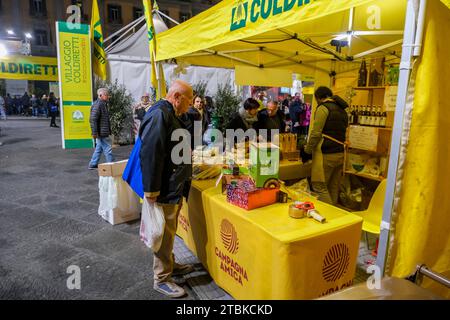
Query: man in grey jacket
101,129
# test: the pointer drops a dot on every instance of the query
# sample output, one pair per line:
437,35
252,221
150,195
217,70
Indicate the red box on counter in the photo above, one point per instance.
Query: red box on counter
251,199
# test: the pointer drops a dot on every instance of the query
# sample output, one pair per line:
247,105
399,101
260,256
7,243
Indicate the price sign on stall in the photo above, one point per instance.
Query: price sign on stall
364,138
390,98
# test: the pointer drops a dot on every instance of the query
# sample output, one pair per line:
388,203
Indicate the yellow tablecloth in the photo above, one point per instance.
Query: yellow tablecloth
265,254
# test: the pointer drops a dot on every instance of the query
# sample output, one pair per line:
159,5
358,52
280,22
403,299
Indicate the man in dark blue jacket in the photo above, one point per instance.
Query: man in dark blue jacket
164,177
101,129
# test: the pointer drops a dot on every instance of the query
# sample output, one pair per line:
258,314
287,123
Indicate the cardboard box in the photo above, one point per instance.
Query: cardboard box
112,169
253,199
290,156
264,163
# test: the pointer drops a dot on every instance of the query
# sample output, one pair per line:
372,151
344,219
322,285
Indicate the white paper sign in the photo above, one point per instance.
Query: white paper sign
390,98
364,138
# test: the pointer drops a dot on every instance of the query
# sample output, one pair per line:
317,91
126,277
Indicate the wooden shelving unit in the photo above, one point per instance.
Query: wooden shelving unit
372,96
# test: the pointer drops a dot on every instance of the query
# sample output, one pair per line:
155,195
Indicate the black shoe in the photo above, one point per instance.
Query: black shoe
92,167
56,126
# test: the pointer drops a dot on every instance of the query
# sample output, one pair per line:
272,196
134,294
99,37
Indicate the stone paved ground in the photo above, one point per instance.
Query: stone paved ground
49,221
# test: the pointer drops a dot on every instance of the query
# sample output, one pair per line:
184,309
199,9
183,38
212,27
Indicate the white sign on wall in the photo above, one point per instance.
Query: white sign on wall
364,138
390,98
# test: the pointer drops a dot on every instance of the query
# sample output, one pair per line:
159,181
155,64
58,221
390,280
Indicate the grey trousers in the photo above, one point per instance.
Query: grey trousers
328,190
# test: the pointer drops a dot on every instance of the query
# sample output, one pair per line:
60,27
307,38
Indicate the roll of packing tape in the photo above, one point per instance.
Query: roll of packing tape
297,213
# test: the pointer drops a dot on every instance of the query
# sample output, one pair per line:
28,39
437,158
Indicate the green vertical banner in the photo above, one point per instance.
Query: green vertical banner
75,78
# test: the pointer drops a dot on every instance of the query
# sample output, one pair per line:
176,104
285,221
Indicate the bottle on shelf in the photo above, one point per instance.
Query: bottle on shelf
369,116
350,115
374,76
383,119
374,121
362,115
366,116
378,121
362,79
355,115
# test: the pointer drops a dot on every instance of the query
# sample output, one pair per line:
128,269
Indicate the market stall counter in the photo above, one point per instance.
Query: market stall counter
292,170
264,253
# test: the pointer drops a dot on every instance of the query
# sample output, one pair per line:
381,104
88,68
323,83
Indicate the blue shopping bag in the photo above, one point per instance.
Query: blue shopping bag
132,173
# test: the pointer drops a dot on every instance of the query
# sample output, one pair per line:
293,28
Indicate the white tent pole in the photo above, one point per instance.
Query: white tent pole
405,71
231,57
372,44
301,53
350,30
380,48
287,57
420,23
108,48
166,16
379,33
241,50
314,45
128,26
198,54
237,59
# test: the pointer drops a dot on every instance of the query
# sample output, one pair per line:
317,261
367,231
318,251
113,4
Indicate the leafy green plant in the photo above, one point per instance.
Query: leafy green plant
120,110
200,88
226,103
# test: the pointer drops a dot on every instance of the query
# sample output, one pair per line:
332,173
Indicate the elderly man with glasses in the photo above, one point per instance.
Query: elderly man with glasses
101,129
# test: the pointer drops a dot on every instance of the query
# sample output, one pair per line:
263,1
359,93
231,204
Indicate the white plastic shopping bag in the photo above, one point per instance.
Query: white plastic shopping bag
152,225
108,195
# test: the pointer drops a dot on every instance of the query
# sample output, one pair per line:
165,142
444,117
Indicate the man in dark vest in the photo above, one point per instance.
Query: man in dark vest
326,144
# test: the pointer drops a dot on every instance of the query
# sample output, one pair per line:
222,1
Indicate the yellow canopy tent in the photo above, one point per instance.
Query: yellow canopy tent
295,35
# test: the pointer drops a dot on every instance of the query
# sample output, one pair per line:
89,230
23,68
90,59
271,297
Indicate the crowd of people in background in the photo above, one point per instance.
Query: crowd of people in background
287,114
290,114
26,105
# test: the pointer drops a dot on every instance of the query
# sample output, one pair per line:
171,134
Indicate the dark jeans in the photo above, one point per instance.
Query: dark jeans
53,119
